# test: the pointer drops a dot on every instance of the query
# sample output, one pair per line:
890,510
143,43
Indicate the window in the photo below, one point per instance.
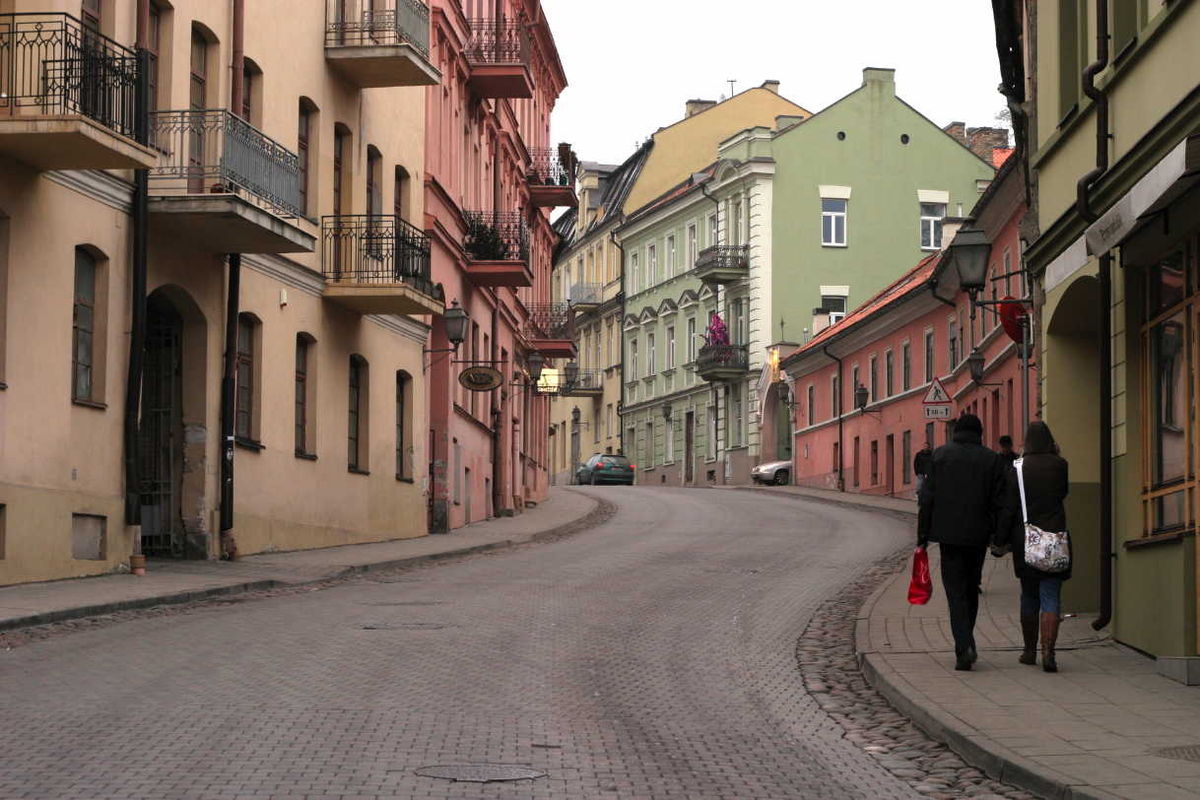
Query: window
874,380
304,132
691,246
932,215
251,88
874,463
91,13
928,356
1124,25
854,381
888,370
341,152
735,416
669,457
713,231
651,265
833,223
905,367
356,434
648,445
952,350
651,356
305,441
374,181
399,191
671,347
855,464
736,238
834,306
198,77
404,466
835,392
671,266
633,360
711,444
1007,273
245,420
812,405
84,327
691,339
634,273
608,420
153,52
906,457
2,542
1072,52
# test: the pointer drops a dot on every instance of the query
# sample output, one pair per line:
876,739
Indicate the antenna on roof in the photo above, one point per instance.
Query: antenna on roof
731,82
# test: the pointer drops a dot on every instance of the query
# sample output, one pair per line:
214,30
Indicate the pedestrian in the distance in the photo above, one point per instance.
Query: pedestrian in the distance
922,463
961,501
1006,450
1045,475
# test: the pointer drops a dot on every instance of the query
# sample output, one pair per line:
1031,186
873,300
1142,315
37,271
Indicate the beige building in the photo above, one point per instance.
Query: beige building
262,190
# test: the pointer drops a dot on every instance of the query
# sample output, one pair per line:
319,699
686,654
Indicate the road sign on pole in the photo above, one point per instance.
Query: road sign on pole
937,402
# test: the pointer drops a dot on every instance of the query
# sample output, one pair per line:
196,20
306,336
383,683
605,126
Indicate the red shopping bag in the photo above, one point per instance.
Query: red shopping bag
920,588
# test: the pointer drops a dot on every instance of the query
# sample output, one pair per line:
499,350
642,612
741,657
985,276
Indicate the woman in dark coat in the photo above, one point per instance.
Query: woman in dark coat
1045,473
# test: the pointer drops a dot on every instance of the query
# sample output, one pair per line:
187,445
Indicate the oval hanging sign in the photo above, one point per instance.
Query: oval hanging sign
480,378
1011,316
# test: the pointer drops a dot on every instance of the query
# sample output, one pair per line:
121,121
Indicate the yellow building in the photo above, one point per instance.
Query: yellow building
1107,97
284,175
589,264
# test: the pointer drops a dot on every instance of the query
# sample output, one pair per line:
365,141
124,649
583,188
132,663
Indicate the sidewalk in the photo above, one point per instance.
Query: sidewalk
1103,727
169,581
871,502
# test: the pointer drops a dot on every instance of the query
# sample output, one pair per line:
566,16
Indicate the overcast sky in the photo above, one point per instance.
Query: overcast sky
631,64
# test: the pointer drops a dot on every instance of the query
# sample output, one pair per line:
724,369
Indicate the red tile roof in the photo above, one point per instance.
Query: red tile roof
1000,155
913,280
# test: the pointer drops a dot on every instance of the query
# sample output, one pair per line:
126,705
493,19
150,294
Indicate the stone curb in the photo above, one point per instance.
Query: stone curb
601,512
832,501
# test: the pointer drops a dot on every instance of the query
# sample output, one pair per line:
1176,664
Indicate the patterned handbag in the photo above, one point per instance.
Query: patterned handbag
1045,551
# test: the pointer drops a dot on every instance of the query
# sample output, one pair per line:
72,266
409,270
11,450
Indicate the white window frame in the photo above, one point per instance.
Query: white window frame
669,445
635,270
934,224
671,347
651,361
691,339
691,247
833,217
651,265
669,271
711,444
633,358
714,230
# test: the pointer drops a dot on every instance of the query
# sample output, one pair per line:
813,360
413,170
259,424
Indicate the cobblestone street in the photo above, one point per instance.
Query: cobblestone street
654,656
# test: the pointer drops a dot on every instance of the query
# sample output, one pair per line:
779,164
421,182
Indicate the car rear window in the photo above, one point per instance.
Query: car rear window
615,461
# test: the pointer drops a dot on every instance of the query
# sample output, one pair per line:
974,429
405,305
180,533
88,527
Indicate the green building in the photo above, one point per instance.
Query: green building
790,227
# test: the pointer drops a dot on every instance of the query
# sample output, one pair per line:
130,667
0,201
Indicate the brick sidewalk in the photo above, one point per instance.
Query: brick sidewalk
183,581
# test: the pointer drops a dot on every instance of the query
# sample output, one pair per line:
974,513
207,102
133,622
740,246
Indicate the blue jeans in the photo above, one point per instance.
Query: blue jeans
1041,594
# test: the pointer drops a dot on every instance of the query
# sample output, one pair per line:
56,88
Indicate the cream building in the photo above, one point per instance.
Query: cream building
282,152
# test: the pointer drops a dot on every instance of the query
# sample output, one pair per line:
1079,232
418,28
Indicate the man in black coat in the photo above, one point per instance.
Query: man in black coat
961,502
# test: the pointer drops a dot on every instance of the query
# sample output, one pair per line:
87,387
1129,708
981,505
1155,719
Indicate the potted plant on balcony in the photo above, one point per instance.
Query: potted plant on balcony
484,243
717,333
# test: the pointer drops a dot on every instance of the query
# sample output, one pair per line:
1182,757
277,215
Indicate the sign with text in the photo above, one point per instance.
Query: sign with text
937,402
939,411
480,378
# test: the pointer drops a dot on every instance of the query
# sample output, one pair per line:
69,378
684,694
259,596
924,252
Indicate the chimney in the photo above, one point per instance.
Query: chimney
771,86
983,140
958,130
882,77
694,107
950,228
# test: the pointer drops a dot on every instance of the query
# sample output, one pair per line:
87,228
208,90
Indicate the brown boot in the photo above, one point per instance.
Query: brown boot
1049,637
1029,631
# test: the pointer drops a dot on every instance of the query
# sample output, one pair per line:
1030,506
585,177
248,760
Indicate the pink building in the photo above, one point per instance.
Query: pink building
491,179
896,345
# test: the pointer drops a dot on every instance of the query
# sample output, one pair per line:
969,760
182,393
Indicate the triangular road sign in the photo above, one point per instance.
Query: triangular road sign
937,394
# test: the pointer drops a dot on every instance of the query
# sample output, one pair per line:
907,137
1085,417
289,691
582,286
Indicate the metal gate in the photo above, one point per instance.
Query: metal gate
162,434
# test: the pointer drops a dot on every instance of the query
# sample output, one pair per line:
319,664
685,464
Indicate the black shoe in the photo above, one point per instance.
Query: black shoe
962,664
972,655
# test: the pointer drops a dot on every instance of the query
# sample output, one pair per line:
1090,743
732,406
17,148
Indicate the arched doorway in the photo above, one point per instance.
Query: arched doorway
172,433
1070,370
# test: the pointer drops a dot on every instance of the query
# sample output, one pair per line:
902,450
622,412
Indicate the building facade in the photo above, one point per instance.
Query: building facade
213,303
1108,97
489,186
585,409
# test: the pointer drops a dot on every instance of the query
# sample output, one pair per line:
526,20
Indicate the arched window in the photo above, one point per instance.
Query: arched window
404,441
305,395
251,109
400,192
357,415
247,394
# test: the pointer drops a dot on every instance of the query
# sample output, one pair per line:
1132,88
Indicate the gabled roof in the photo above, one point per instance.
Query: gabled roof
915,280
617,185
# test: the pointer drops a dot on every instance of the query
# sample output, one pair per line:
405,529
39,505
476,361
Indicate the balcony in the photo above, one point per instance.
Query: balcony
588,383
225,185
550,329
499,56
378,265
68,96
723,263
497,248
586,296
723,363
372,48
550,182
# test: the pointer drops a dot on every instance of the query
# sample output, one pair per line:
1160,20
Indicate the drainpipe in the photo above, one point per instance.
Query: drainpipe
1085,210
497,413
612,236
841,426
233,292
137,305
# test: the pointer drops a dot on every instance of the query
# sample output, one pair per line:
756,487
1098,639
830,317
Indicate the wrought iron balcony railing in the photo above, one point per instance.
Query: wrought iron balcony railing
550,321
51,64
496,236
380,250
498,41
586,293
211,151
715,361
546,168
408,23
586,381
724,257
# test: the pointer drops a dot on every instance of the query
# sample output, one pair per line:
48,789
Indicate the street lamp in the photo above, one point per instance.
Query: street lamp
860,397
571,373
666,411
975,363
970,251
455,320
535,361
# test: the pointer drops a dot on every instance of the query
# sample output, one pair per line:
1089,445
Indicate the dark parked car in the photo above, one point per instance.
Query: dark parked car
602,468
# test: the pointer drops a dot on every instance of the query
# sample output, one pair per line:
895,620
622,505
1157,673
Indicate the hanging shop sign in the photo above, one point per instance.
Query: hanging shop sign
480,378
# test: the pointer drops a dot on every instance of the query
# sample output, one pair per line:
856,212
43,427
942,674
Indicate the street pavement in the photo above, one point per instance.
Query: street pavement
651,657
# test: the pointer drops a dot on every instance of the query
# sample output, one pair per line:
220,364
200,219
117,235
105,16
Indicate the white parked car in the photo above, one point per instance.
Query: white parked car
776,472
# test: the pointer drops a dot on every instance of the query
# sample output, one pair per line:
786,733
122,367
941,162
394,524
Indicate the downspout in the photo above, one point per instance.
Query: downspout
497,412
137,304
233,291
841,425
1083,207
612,235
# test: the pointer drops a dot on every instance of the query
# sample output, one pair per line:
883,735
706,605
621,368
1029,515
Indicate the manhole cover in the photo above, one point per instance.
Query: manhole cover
404,626
481,773
1189,752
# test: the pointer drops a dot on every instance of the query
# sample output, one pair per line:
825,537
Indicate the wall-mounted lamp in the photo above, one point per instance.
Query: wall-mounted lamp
861,397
